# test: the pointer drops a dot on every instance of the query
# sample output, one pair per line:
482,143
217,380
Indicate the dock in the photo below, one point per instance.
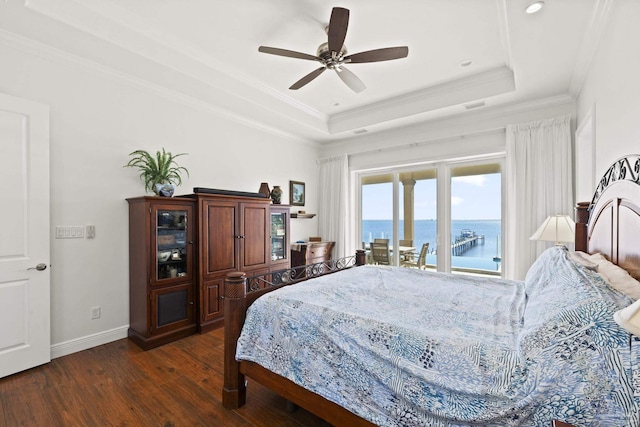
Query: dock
465,241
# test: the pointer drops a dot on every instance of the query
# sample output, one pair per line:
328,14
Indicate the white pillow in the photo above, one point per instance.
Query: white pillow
582,258
629,318
616,277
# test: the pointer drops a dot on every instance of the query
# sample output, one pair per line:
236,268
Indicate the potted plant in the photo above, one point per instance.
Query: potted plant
159,172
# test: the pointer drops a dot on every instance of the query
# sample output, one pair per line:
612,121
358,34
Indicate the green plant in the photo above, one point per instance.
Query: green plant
161,169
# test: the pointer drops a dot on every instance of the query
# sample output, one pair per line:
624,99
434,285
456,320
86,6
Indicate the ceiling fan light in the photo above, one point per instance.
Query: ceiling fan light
534,7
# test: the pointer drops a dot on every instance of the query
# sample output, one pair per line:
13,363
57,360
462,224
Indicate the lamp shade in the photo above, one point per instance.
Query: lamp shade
629,318
556,228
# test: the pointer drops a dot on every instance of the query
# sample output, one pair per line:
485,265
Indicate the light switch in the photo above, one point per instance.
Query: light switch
64,232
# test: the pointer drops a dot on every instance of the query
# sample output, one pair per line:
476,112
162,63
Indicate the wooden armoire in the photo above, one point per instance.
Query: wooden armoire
233,235
181,249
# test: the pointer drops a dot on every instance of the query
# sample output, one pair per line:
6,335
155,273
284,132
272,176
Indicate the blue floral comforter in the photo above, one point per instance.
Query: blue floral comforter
402,347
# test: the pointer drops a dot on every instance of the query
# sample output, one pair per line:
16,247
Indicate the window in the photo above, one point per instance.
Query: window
413,207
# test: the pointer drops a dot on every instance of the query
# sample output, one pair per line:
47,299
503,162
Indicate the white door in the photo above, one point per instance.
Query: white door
24,235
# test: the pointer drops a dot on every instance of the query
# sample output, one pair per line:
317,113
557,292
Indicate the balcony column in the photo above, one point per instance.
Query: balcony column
408,196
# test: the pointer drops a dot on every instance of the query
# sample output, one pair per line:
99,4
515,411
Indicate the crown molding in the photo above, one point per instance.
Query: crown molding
32,47
503,27
589,46
201,81
125,30
467,89
464,123
122,28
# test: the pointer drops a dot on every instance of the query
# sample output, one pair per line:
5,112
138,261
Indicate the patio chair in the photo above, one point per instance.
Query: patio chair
380,252
419,262
405,254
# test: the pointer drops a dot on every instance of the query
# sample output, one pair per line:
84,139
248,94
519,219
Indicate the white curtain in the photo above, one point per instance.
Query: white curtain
539,183
333,201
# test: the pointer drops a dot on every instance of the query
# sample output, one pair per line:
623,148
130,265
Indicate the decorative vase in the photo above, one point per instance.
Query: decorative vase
264,189
276,194
164,190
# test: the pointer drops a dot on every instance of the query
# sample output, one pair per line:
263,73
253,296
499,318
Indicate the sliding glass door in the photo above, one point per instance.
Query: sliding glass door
476,218
377,208
413,208
415,221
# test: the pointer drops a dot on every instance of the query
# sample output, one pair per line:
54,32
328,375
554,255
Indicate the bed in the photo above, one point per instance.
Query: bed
433,349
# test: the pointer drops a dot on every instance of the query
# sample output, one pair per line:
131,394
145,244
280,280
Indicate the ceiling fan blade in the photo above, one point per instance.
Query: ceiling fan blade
306,79
350,80
384,54
287,53
338,28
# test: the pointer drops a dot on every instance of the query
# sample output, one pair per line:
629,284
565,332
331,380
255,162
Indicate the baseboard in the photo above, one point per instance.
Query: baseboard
89,341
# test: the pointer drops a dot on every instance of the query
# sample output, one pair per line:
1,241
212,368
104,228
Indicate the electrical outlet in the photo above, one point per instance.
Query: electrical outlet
95,312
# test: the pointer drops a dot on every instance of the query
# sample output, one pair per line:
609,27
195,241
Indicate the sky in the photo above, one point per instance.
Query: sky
472,197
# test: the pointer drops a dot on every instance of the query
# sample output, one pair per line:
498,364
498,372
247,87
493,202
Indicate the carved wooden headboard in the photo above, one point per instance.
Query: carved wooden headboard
610,223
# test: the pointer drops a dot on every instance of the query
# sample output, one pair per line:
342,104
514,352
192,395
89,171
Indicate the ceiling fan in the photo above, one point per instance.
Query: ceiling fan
333,54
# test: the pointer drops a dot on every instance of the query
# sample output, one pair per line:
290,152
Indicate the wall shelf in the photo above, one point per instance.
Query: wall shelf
296,215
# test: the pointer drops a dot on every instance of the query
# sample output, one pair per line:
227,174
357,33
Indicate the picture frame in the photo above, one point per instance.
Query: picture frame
296,193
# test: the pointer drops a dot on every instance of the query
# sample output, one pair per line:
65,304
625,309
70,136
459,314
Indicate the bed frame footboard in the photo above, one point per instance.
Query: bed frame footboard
234,391
239,292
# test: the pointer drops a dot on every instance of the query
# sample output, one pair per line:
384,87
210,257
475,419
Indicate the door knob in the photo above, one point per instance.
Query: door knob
39,267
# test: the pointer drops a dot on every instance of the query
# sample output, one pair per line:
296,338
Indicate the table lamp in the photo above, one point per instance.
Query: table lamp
556,228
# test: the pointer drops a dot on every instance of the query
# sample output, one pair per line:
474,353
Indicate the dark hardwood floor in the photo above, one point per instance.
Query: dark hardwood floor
118,384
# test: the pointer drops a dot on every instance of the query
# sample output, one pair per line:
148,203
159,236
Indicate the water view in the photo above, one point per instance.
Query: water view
480,256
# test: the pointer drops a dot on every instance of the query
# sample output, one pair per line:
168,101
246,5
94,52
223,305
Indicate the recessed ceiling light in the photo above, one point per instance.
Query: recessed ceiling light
534,7
465,63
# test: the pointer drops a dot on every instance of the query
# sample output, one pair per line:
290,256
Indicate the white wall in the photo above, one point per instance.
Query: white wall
612,88
97,118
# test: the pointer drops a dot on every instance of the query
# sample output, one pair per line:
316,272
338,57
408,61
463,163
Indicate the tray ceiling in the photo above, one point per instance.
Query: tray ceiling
207,51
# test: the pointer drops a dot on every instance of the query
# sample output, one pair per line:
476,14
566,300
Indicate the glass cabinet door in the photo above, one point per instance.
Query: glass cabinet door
172,254
278,236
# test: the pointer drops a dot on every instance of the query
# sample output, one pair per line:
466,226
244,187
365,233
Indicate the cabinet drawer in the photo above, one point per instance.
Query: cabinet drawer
316,260
318,253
